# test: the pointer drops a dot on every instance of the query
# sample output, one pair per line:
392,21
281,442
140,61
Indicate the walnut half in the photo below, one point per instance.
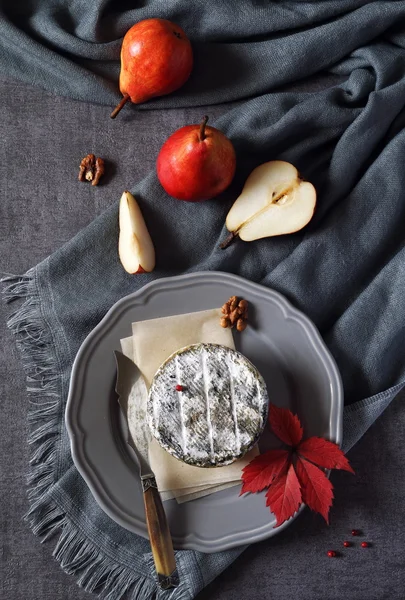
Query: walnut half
235,313
91,169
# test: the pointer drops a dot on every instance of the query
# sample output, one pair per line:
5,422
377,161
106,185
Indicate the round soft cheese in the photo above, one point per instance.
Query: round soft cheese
207,405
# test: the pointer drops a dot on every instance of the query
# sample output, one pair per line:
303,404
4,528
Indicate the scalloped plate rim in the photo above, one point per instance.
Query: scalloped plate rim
190,540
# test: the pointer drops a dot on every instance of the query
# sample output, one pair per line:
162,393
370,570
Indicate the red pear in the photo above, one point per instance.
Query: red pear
196,163
156,59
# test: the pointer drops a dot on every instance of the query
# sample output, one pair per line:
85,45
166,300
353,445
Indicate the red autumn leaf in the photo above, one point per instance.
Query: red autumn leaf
262,470
317,490
324,453
284,495
285,425
289,486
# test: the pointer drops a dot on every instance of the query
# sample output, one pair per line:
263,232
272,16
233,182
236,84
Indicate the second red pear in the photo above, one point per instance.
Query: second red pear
196,163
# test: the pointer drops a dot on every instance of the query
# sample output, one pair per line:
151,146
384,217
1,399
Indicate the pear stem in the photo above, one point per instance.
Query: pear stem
202,128
228,240
119,106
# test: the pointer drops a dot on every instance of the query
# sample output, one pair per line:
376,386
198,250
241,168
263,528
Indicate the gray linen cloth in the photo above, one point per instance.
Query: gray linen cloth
346,270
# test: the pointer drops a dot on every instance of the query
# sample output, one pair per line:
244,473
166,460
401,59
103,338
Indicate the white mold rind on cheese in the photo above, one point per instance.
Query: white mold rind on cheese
221,411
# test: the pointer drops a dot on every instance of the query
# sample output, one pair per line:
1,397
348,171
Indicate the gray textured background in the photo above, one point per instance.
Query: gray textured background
43,139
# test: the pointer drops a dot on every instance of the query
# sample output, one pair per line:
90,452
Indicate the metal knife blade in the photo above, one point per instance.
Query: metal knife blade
132,397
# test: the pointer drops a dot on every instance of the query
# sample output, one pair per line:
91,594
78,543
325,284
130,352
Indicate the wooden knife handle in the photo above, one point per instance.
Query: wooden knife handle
159,535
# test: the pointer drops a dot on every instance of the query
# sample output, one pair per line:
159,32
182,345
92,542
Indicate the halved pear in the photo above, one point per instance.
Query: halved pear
274,201
135,247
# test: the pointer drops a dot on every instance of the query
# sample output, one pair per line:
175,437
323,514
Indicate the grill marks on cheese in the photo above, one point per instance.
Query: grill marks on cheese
221,411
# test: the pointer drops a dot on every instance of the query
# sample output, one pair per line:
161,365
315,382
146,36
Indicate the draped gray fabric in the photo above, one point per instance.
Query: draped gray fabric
345,270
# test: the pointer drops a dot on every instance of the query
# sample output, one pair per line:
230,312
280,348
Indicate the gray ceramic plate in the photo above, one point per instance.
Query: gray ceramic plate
283,344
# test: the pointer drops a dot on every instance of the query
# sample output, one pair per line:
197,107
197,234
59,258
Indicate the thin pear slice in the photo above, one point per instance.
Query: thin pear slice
135,247
274,201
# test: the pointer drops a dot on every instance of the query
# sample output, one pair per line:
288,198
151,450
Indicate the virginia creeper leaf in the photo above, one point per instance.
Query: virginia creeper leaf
324,453
284,495
285,425
262,470
317,490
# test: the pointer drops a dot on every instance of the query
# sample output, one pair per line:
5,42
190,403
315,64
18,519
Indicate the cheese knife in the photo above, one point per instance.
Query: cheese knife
130,379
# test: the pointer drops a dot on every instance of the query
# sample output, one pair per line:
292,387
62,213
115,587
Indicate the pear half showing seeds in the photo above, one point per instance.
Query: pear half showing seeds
135,247
274,201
